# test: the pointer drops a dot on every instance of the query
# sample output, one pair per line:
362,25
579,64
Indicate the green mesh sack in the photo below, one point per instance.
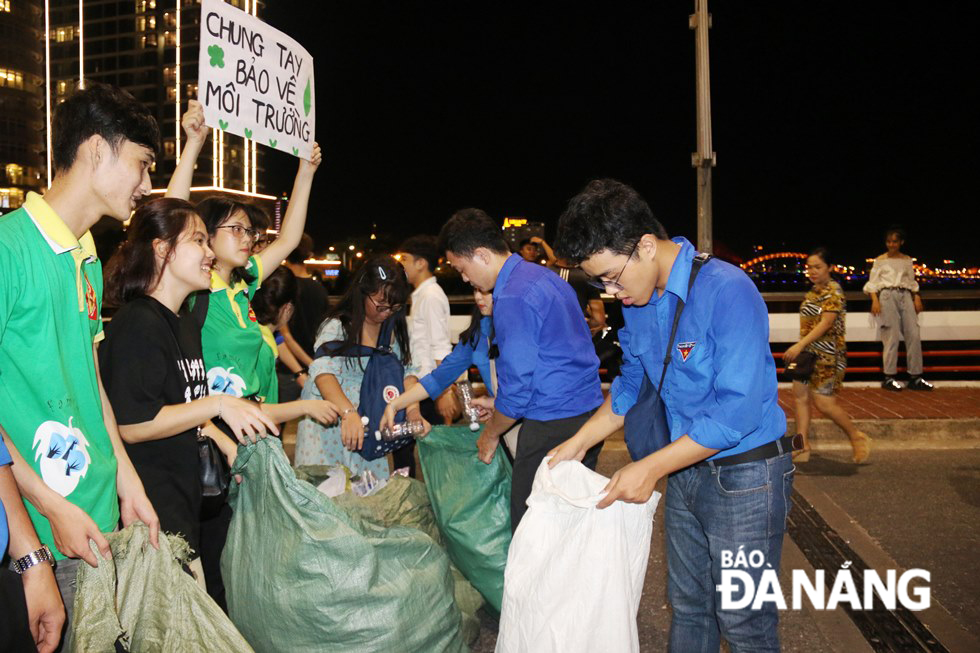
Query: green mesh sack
141,601
303,575
404,501
471,502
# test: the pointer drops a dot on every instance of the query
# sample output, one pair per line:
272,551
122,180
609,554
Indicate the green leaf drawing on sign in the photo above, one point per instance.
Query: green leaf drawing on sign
295,151
217,56
307,99
223,124
248,133
272,143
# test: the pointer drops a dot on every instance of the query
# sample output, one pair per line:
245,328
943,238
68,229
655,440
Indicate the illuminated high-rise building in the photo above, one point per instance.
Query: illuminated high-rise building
150,49
21,102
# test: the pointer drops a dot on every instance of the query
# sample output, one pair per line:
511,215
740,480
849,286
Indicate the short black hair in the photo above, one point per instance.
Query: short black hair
279,289
896,229
424,247
823,253
302,252
607,214
526,241
469,229
101,110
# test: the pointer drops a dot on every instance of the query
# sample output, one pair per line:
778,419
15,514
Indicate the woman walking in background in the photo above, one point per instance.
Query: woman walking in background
822,335
895,300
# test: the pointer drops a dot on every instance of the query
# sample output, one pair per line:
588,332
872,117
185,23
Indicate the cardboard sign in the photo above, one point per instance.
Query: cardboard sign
254,81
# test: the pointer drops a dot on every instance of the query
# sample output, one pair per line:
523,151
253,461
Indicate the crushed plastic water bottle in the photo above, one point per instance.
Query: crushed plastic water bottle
465,389
400,430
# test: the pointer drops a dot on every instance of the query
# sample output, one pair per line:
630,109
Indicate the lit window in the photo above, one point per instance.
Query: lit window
11,78
15,173
151,22
11,198
171,93
5,5
169,38
169,148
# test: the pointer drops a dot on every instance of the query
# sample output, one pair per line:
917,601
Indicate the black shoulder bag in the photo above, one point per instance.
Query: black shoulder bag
646,426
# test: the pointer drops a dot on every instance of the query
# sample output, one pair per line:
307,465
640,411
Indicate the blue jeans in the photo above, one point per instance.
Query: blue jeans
711,510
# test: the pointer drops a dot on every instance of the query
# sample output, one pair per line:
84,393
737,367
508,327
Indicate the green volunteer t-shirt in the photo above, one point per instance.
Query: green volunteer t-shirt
238,360
50,317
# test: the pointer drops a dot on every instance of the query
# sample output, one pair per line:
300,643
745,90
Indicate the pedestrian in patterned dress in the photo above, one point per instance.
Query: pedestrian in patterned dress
822,333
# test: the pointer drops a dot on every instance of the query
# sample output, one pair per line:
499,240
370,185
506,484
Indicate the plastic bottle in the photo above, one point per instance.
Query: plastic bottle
400,430
466,395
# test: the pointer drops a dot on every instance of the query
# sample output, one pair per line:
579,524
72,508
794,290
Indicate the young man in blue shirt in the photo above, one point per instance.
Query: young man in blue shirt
547,370
729,462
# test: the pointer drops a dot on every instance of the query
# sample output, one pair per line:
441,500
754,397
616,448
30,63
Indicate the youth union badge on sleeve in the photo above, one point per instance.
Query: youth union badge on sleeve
390,393
685,349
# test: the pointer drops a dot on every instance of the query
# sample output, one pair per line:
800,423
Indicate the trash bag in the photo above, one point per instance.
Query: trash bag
403,501
303,575
471,502
575,573
141,600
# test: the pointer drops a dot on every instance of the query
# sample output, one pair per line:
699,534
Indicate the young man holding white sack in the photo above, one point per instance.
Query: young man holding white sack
729,463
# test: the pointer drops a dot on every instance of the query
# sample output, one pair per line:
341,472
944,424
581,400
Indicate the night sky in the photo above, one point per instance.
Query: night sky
831,120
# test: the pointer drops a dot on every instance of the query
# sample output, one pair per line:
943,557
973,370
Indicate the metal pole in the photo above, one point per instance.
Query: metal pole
704,158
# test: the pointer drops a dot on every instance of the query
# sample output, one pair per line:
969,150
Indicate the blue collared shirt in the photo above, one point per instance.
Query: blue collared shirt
459,360
720,387
547,367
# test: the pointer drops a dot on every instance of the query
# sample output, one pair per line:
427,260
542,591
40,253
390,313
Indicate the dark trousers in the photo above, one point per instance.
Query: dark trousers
15,634
537,438
214,532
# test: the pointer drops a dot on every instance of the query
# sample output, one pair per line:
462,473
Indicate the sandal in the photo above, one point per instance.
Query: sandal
801,456
862,448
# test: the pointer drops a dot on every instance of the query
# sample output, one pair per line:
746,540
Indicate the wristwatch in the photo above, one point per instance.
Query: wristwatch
34,558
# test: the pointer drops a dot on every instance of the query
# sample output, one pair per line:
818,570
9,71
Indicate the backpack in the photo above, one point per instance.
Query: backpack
384,380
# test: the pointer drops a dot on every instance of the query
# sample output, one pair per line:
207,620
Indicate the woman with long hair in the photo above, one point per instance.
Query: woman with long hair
376,295
238,359
822,334
152,365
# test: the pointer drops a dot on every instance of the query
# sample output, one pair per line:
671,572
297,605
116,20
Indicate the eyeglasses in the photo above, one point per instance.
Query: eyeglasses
385,308
602,284
240,231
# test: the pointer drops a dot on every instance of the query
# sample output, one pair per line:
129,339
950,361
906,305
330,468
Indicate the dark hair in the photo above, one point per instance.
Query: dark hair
469,229
380,272
101,110
278,289
302,252
897,230
471,336
526,241
217,210
132,271
822,253
607,214
424,247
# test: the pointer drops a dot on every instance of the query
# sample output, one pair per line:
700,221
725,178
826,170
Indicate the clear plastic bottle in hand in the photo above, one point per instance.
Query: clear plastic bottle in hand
466,396
413,427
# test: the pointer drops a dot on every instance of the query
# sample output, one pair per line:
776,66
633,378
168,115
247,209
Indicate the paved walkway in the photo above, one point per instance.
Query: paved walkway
955,402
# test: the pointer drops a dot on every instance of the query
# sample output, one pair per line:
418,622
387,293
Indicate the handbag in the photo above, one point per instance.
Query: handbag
212,465
215,476
383,381
645,426
801,369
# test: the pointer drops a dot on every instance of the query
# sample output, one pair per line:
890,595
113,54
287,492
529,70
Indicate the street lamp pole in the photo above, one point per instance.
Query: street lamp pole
704,159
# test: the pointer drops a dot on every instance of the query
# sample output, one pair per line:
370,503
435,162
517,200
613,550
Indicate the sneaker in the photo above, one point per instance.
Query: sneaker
891,384
918,383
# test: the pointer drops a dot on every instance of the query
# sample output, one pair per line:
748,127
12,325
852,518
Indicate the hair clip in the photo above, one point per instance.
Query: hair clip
381,273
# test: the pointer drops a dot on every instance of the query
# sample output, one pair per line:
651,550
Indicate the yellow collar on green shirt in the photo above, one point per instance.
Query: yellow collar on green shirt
53,228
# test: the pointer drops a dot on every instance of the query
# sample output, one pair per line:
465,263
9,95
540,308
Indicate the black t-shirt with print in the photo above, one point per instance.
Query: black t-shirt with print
144,369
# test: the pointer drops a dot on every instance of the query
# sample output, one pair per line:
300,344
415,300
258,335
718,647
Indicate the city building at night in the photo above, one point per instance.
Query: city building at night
21,102
149,48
